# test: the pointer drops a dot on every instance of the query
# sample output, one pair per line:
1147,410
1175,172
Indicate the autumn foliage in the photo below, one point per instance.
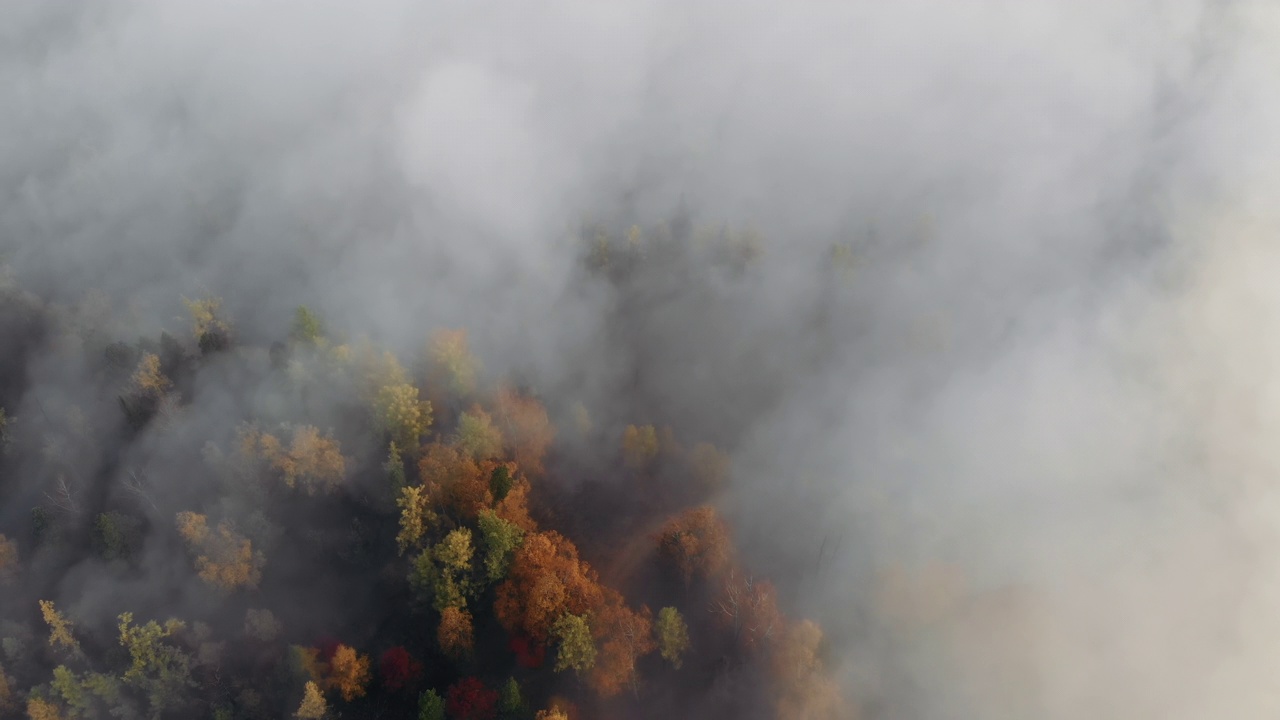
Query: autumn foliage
59,627
805,690
313,706
455,633
452,524
398,669
546,580
224,558
452,366
311,460
348,673
469,699
529,654
8,560
696,544
749,609
526,428
624,636
455,478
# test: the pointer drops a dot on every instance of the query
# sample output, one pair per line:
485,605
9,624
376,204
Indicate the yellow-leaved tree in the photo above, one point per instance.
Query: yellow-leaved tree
311,461
313,705
416,517
224,558
59,627
208,324
451,364
478,437
41,709
402,415
148,380
639,446
348,673
673,636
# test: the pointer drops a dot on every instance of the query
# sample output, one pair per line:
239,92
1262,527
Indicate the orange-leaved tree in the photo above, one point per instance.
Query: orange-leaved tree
454,633
624,636
696,543
456,478
526,428
805,691
546,579
348,672
749,609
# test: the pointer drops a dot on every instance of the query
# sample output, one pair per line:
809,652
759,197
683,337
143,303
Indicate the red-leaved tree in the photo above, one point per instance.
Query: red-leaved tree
398,668
327,646
529,654
469,699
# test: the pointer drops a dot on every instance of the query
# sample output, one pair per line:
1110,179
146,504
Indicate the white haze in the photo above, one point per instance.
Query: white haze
1074,198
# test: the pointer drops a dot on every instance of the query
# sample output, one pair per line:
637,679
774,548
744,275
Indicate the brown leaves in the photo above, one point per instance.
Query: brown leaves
750,609
805,690
514,508
696,543
39,709
526,427
8,560
7,699
625,635
461,483
455,633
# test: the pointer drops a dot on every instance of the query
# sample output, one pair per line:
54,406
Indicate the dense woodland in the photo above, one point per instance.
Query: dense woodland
206,524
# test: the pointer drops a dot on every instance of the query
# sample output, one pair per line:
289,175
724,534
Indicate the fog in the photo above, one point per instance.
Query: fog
1022,466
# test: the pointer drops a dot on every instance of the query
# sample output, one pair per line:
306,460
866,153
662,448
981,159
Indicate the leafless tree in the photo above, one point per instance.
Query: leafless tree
63,496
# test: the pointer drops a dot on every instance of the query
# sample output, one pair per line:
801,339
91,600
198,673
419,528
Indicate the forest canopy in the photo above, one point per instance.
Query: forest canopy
358,534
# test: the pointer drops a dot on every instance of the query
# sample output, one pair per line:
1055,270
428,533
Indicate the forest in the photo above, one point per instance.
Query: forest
201,523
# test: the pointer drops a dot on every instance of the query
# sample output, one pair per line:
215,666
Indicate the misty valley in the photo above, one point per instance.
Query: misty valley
313,527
